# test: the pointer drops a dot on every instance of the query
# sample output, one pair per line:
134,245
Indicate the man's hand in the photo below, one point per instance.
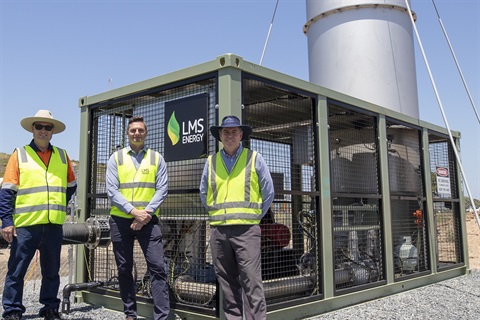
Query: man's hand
136,225
8,233
141,216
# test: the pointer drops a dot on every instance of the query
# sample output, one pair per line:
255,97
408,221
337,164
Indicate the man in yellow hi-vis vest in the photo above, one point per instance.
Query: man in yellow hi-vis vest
38,183
236,188
137,186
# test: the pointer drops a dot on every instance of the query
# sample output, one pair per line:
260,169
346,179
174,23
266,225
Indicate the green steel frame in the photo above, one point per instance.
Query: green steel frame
230,68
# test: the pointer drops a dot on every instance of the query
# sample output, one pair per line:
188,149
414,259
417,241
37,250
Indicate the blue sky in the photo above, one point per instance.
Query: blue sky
54,52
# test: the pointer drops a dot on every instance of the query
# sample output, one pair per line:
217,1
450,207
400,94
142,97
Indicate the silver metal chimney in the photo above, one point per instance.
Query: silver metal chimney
364,49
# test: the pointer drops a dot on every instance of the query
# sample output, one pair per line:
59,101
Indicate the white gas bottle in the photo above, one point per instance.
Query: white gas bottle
407,254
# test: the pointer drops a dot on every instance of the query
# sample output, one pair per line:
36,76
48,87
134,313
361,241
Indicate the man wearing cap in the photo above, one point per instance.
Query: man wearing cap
236,188
38,183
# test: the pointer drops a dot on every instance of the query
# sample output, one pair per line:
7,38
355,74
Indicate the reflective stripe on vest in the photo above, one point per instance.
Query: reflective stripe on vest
136,185
234,198
41,196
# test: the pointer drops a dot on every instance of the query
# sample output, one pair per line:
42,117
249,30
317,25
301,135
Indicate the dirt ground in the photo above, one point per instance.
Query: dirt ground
473,234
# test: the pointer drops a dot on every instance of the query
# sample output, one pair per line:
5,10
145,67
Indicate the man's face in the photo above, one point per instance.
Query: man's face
137,133
40,132
231,137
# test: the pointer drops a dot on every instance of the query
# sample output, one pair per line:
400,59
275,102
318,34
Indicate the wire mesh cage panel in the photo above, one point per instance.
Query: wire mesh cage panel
407,198
353,153
442,168
357,231
404,160
183,219
283,123
409,237
446,202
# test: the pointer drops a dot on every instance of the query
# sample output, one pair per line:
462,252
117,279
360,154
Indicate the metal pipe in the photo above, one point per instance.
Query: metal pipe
75,233
188,290
287,286
93,233
343,276
74,287
192,291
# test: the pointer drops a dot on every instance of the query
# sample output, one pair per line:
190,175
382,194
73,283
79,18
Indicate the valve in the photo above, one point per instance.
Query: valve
418,214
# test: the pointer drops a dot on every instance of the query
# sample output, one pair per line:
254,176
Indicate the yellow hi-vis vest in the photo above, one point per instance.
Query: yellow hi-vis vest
42,194
137,186
235,198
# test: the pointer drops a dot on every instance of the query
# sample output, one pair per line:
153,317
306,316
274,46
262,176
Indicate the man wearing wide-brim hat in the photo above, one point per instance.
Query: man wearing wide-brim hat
38,183
236,188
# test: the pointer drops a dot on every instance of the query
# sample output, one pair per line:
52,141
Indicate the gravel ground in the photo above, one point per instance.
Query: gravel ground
77,310
457,298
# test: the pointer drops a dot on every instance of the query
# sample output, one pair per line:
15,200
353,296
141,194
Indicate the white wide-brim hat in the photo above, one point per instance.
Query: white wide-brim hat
43,116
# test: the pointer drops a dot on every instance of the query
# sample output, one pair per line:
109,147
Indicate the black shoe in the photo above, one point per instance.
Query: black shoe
13,316
51,314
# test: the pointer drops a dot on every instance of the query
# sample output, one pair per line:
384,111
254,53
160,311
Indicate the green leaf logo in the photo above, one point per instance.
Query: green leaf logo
173,129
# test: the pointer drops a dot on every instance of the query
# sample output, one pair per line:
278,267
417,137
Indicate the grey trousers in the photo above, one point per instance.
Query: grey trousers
237,259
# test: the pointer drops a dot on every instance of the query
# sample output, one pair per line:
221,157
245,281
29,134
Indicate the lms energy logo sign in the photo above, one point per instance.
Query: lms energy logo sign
186,128
173,129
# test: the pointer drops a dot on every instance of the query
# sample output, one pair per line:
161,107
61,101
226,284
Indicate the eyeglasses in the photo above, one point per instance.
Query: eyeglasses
48,127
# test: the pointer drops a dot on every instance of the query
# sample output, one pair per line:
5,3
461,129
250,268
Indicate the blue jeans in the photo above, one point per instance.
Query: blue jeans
150,240
47,239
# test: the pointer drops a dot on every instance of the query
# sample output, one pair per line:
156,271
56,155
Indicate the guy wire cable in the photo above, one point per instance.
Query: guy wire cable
443,112
268,35
456,62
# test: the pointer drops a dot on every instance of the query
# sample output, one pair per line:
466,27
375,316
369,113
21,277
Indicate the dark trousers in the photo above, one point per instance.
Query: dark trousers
237,259
47,238
150,240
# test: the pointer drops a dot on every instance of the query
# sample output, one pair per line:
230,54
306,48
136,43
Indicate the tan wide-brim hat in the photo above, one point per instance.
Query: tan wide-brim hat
43,116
